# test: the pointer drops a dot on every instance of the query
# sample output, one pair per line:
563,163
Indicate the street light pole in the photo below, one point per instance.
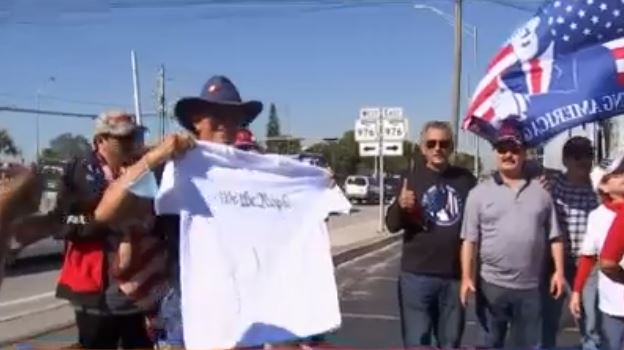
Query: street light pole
457,68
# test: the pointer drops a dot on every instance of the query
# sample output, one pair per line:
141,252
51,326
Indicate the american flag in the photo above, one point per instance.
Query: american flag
562,27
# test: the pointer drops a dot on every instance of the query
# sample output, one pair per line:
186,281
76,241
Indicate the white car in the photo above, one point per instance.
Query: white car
361,189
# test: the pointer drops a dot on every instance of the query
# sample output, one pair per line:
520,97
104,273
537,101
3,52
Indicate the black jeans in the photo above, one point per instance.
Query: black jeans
112,331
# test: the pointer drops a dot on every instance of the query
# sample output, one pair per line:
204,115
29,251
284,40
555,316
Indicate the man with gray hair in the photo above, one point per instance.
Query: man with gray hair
429,209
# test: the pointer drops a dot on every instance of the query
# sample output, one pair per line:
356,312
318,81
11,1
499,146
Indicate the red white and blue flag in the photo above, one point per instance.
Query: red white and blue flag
563,68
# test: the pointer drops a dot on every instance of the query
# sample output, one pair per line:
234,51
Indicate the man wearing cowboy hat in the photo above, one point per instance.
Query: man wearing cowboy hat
218,112
216,115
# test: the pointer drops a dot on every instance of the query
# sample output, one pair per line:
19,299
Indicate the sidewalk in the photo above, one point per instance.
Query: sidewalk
347,242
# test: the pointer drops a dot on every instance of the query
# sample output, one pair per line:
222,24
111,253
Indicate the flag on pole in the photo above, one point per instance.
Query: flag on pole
562,68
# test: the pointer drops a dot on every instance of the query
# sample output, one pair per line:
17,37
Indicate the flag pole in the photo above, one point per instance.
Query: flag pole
135,83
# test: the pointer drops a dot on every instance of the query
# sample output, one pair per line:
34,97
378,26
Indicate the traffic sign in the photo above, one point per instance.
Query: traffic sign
395,130
390,149
393,113
366,131
393,148
370,113
369,149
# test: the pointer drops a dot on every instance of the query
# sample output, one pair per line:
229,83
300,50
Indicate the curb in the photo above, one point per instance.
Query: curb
37,334
354,251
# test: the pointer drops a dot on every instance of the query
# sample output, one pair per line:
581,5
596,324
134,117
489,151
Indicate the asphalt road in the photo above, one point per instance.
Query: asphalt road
367,287
27,294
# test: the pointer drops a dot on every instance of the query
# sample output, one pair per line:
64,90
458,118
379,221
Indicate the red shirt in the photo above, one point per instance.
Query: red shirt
613,248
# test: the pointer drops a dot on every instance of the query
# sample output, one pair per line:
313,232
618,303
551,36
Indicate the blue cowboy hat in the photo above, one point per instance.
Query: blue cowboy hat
219,91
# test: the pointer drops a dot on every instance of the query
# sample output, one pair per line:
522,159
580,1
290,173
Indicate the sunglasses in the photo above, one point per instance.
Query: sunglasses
505,148
443,144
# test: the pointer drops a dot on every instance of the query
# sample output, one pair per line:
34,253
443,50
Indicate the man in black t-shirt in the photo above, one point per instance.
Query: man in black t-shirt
429,209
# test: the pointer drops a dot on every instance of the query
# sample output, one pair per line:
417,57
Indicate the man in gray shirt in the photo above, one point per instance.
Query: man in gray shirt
510,222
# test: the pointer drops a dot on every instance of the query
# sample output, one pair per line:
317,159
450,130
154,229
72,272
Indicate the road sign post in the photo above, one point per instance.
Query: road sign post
380,132
381,175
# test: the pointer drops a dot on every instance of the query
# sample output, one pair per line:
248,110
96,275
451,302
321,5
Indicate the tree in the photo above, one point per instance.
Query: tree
273,126
67,146
7,145
276,142
466,160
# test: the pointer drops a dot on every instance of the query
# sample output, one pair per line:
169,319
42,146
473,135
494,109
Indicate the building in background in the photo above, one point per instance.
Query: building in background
607,136
616,135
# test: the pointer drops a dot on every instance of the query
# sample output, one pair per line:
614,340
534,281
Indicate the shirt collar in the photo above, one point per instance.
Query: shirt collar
614,206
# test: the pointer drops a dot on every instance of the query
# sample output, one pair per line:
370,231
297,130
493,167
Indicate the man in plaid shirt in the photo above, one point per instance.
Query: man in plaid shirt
574,198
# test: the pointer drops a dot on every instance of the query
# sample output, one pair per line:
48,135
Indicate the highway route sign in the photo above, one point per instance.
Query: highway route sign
366,131
394,130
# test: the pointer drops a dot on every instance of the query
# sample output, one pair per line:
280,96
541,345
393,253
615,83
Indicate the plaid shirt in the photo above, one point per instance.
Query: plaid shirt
573,204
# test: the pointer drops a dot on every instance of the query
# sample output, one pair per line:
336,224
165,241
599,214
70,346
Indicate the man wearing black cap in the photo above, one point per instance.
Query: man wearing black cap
512,221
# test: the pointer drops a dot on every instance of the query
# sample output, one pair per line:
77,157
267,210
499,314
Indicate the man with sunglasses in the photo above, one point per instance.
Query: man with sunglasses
510,223
574,199
429,209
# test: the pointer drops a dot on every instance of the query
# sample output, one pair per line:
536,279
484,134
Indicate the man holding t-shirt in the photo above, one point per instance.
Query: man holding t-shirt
429,209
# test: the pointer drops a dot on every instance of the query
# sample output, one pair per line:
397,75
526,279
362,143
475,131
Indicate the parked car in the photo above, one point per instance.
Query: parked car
361,189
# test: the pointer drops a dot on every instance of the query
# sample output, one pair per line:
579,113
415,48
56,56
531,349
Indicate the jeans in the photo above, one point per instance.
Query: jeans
112,331
589,323
430,306
505,308
171,319
613,330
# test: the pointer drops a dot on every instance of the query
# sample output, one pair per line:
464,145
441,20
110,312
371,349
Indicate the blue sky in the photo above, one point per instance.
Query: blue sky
318,67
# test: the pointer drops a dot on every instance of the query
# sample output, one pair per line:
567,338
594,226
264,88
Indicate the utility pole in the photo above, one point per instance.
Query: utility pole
162,107
457,69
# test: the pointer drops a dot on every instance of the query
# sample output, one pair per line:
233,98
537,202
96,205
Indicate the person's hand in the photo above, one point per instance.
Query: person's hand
173,146
407,198
151,327
557,285
545,182
575,305
467,286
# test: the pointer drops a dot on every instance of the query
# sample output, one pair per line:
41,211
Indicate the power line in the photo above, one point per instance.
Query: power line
62,99
55,113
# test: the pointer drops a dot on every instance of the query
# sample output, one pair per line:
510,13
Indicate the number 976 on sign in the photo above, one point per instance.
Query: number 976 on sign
395,131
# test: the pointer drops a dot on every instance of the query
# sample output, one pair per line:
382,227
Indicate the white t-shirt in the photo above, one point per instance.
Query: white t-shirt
255,259
610,294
